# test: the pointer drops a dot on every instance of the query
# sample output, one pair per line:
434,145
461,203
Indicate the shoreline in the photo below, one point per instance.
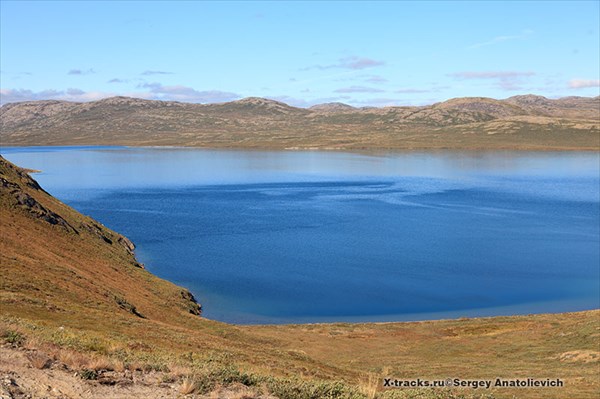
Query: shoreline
371,150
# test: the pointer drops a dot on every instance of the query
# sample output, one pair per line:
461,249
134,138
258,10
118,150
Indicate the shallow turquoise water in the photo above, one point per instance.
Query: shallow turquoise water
278,237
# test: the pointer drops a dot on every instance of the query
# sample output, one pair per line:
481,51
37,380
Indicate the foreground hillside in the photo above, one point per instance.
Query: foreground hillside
80,317
520,122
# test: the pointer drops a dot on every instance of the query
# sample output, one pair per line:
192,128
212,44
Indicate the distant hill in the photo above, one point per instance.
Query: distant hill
520,122
332,107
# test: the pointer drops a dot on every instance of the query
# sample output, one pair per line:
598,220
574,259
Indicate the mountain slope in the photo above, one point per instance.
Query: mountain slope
520,122
57,261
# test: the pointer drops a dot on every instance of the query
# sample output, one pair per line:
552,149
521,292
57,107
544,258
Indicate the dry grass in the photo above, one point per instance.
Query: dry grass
118,365
235,391
369,385
100,364
39,360
178,371
584,356
74,360
188,386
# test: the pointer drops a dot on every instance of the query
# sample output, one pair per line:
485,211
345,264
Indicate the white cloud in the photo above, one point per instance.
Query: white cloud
148,73
432,89
376,79
293,101
303,103
17,95
352,62
583,83
358,89
81,72
501,39
490,75
505,80
378,102
187,94
155,91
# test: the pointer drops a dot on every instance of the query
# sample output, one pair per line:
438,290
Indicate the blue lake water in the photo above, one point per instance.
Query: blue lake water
285,237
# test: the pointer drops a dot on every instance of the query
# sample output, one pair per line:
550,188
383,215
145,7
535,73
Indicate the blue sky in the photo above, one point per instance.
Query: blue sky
302,53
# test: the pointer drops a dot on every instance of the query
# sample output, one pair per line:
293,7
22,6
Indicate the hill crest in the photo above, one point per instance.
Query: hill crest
519,122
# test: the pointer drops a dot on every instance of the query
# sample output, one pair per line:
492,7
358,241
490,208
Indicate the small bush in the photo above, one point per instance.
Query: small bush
88,374
430,394
228,375
300,389
14,337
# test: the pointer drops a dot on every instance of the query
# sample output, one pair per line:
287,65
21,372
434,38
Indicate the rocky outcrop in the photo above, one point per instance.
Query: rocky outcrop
18,189
12,192
191,305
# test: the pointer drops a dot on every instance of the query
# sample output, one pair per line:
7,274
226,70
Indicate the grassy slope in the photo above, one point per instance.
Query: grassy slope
65,284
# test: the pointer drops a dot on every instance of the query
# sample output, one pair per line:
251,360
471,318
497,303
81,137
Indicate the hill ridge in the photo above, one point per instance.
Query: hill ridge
519,122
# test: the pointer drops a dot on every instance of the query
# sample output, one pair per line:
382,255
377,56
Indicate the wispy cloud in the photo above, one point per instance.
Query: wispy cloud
187,94
501,39
490,75
352,62
393,102
434,89
355,62
583,83
17,95
293,101
150,73
505,80
411,91
16,73
304,103
81,72
117,80
378,102
153,91
376,79
358,89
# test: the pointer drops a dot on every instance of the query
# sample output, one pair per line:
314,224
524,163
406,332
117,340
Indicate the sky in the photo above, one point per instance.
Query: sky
301,53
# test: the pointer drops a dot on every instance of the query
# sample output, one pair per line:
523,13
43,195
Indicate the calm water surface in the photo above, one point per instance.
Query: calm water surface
280,237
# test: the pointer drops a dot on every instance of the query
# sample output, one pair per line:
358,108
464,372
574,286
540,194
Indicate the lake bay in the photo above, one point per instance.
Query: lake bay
316,236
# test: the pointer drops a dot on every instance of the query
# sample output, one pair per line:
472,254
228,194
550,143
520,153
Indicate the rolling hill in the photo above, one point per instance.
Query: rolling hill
522,122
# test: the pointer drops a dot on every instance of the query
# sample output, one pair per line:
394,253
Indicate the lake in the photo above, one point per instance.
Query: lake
315,236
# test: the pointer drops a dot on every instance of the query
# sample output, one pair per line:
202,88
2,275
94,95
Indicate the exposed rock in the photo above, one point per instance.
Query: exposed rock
125,242
192,305
125,305
27,202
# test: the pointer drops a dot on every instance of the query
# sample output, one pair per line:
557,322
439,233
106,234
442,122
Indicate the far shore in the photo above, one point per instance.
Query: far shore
361,149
